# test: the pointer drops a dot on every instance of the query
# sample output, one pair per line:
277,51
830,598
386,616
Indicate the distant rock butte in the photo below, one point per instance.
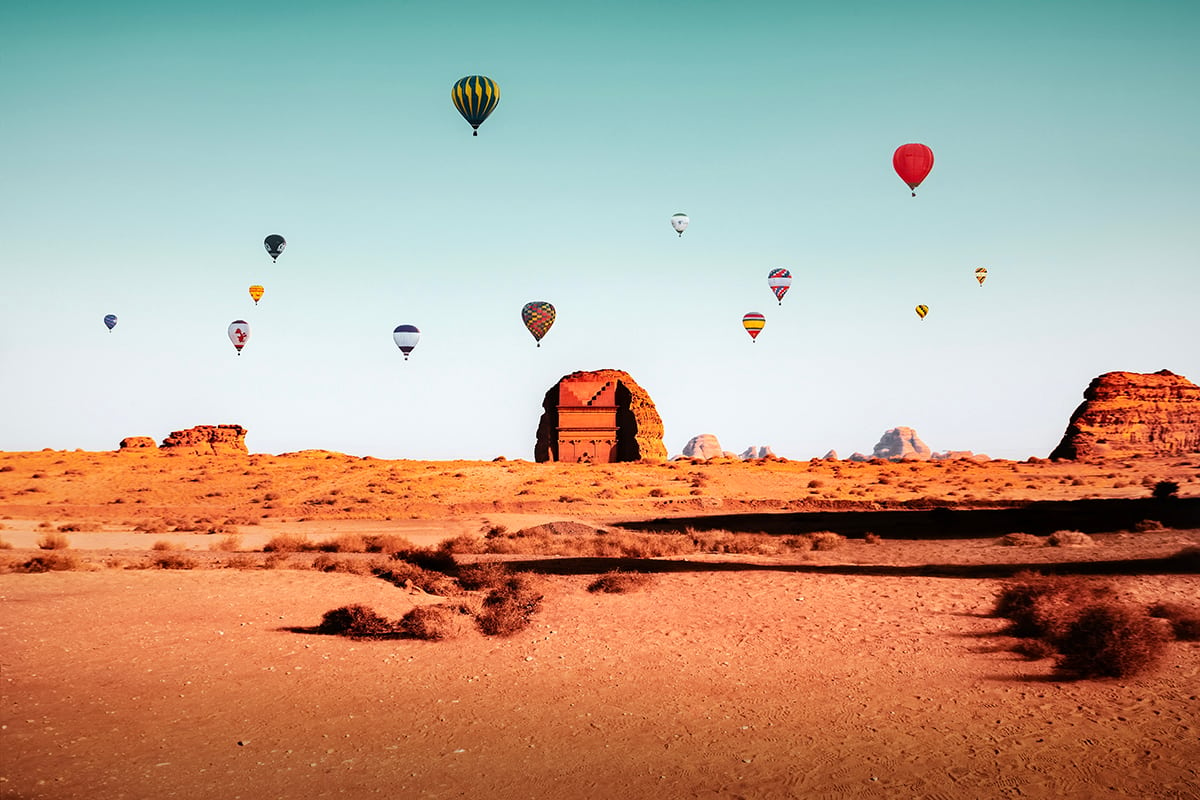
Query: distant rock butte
830,456
598,417
752,452
208,440
136,442
902,443
1127,413
706,445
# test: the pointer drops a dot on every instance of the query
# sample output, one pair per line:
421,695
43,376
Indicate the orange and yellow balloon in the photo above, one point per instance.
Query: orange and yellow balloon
256,293
922,310
754,323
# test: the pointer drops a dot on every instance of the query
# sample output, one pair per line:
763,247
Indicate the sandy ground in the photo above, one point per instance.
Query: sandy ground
857,672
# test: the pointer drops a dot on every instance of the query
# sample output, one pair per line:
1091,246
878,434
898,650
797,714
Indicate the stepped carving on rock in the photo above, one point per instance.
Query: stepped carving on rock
208,440
599,417
1126,413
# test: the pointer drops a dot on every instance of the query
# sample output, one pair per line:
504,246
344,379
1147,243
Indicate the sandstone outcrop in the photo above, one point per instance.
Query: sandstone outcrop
1127,413
599,416
136,442
901,443
706,445
830,456
208,440
752,452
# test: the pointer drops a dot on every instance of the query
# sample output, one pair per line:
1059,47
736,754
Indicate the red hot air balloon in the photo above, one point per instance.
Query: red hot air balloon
912,163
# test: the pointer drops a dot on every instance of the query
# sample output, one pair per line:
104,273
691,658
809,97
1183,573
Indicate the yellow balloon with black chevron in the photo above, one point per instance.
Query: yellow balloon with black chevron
475,97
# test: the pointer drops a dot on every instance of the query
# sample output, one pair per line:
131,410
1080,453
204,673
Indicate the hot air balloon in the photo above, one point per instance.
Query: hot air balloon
274,244
110,320
680,222
912,163
538,317
406,337
239,332
981,275
475,97
922,311
753,323
256,293
780,280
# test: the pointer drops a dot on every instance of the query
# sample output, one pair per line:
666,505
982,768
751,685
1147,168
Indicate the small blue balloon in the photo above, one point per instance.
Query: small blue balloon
110,320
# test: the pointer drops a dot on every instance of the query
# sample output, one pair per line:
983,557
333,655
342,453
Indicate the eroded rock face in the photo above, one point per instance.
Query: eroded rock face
706,445
136,442
1124,413
752,452
208,440
902,442
639,427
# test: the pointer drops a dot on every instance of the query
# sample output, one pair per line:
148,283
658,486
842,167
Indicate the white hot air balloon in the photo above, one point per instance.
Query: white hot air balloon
239,334
680,222
406,338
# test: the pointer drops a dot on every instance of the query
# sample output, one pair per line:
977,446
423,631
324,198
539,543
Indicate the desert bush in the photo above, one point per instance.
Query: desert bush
428,558
826,540
162,544
1070,539
1110,640
5,544
53,541
227,544
1042,606
1185,620
406,574
174,561
436,622
344,543
1147,526
71,527
55,561
277,561
618,582
289,543
482,575
872,538
326,562
1035,649
357,622
1018,539
239,561
151,526
467,543
1165,490
509,608
387,543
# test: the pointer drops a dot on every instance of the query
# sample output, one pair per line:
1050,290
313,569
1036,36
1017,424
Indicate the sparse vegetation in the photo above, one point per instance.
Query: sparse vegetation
1165,490
437,622
1110,640
174,560
509,608
618,582
53,541
358,622
1185,620
289,543
1070,539
1018,539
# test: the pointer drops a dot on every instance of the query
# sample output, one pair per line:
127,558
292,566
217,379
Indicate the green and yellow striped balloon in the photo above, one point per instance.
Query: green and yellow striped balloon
475,96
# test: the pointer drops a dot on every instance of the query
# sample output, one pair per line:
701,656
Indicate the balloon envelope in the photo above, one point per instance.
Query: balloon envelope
274,244
922,310
538,316
406,338
912,163
475,97
256,293
110,321
754,323
680,222
239,332
981,275
780,280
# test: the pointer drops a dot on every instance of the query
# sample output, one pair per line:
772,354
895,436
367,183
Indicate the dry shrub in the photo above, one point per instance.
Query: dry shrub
239,562
1110,640
174,561
227,544
1042,606
826,540
618,582
83,527
1185,620
1070,539
5,544
429,558
57,562
357,622
482,575
344,543
163,545
387,543
1147,526
411,576
872,538
277,561
351,566
508,609
53,541
152,526
1035,649
289,543
1018,539
437,622
467,543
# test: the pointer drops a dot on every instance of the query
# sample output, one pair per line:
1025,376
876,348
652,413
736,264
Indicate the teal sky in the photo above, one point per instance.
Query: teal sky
147,148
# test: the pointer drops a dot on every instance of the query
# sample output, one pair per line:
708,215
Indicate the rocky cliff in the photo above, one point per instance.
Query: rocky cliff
136,442
900,443
639,427
706,445
208,440
1124,413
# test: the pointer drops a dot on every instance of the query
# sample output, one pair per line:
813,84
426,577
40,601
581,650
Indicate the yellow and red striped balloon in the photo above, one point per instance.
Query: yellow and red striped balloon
754,323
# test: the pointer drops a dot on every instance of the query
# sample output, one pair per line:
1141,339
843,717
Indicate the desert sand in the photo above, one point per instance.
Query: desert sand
869,670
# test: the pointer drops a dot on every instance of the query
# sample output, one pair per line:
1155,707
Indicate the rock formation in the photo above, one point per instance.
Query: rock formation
136,442
959,455
606,416
830,456
706,445
901,443
752,452
1124,413
208,440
